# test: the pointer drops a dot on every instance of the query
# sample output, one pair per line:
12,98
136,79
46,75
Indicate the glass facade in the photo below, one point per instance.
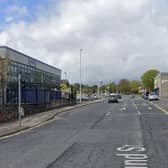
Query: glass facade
31,74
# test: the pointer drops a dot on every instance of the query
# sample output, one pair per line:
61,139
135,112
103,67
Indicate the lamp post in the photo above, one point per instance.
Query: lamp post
80,75
19,94
98,94
98,89
108,90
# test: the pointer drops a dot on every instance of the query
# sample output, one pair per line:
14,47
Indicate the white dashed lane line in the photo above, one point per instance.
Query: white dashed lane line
123,108
149,108
139,113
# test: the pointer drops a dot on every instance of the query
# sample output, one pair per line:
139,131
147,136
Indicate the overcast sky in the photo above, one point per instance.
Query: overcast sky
119,38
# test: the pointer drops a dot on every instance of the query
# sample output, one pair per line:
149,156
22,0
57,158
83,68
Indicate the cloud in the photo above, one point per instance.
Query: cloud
3,38
120,39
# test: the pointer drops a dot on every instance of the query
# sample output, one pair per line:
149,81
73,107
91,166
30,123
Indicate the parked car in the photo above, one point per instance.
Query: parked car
145,96
93,97
113,98
153,96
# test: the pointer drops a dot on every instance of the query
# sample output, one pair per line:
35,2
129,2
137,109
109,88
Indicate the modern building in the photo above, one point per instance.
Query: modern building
40,82
161,84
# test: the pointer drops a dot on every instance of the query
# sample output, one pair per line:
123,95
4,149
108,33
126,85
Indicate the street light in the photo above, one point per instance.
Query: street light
19,94
80,75
101,89
98,88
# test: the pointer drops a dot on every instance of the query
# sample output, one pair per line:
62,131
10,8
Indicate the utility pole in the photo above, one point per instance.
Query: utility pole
98,91
70,90
19,94
101,88
80,75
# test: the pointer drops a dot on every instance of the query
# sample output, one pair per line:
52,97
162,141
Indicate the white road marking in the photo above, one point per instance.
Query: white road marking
160,108
127,148
136,162
149,108
139,113
123,108
133,156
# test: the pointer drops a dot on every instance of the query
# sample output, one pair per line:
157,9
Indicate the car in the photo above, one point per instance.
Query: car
119,95
132,96
145,96
113,98
153,96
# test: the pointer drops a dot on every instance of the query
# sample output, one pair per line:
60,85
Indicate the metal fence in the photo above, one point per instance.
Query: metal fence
11,110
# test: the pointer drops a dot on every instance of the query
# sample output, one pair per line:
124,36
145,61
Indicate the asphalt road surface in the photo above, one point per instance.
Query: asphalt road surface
130,134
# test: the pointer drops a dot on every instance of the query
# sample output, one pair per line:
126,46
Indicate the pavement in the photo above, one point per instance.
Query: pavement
10,128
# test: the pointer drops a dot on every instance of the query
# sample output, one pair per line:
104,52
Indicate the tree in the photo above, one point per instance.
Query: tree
134,85
65,86
93,89
148,78
124,86
76,86
65,82
112,87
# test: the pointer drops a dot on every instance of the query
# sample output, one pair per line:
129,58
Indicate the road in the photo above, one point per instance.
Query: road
130,134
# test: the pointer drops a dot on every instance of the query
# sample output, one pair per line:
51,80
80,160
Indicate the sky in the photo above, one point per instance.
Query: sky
119,39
